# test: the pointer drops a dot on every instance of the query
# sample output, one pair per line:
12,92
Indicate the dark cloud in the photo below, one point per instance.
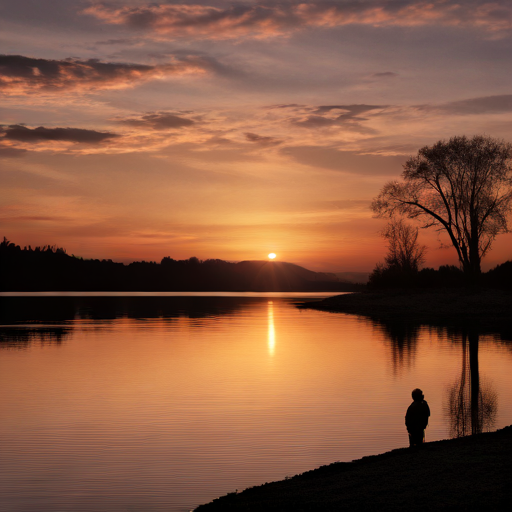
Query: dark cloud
112,42
482,105
159,121
286,105
263,140
385,74
19,74
24,134
260,19
346,161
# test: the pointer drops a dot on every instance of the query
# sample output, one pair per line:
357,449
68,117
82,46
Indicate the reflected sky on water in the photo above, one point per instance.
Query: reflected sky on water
162,403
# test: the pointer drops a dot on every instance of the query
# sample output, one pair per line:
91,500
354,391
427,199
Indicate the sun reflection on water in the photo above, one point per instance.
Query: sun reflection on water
271,330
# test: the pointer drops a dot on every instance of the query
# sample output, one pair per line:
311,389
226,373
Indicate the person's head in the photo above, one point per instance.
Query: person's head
417,395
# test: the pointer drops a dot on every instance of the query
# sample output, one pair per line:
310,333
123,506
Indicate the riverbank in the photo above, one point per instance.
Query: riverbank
483,307
469,473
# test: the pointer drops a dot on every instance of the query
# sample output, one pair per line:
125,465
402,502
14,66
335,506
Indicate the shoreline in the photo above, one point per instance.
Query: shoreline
467,473
484,309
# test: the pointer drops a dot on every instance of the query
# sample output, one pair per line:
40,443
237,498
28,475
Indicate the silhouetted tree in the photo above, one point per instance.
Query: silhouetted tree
405,256
463,186
404,251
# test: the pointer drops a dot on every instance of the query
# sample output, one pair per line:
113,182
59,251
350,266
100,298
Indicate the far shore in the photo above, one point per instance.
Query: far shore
469,473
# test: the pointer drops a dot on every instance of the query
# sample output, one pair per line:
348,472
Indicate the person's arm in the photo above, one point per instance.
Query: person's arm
427,412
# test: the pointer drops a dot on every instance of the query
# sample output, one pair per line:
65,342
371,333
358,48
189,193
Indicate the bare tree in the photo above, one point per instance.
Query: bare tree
463,186
404,251
403,260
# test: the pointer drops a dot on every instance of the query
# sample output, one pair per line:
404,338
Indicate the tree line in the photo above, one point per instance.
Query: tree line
50,268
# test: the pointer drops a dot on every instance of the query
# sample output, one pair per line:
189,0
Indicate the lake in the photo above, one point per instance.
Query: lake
159,402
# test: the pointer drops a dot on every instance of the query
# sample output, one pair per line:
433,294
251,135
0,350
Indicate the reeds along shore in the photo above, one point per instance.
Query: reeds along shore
470,473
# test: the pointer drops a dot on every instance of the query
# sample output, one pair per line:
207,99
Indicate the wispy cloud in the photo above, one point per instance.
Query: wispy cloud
158,121
349,162
328,116
22,75
262,139
263,19
385,74
483,105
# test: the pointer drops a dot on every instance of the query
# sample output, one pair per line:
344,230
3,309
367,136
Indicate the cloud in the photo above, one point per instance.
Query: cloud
10,152
22,133
260,139
21,75
295,106
263,19
159,121
483,105
348,111
350,162
335,115
385,74
112,42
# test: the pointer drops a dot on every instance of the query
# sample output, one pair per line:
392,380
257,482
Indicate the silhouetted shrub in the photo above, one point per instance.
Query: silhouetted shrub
448,276
392,277
500,276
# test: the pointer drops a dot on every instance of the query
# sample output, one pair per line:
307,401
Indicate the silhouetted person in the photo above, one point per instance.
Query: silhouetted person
416,418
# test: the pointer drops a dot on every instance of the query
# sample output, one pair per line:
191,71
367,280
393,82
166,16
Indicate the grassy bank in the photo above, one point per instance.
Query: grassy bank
470,473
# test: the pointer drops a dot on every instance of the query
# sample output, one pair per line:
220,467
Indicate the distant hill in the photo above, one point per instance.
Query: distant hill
50,268
282,276
353,277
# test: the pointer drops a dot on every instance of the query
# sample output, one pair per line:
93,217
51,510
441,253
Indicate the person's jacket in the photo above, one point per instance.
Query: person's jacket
417,415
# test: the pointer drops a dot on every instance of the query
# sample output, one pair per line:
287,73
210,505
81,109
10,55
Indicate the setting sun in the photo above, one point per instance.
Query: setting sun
271,256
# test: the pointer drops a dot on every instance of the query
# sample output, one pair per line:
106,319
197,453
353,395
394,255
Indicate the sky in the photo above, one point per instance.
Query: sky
133,130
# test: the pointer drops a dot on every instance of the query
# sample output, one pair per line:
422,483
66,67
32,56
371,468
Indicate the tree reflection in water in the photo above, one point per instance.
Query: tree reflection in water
23,337
471,405
403,338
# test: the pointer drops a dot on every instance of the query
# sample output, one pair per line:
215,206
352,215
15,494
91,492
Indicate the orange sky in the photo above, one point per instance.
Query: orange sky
132,130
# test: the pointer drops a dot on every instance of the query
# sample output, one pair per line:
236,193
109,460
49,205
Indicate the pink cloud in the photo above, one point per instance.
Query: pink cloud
269,19
21,75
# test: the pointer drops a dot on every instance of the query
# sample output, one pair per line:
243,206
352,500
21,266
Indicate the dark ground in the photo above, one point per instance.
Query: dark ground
470,473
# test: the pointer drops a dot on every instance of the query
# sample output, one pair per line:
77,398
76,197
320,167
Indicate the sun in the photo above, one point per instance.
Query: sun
271,256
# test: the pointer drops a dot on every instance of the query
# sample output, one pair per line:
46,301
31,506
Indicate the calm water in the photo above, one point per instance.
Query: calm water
163,403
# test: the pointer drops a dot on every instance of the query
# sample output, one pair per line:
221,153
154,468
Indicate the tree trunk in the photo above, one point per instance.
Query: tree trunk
476,424
474,256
